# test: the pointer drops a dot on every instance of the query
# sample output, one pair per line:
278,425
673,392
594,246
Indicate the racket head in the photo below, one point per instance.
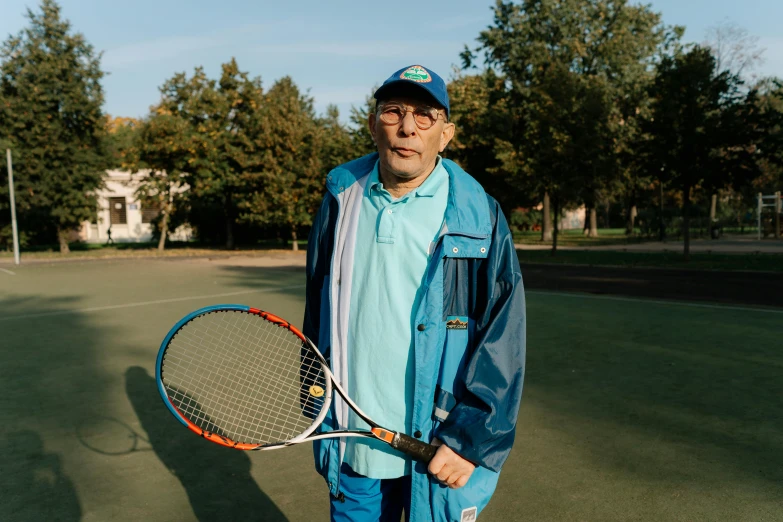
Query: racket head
243,378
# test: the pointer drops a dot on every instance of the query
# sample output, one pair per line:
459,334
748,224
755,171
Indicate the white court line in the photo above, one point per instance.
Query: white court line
7,271
656,301
148,303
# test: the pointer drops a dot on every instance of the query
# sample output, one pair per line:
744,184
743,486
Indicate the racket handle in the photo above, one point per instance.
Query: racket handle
414,448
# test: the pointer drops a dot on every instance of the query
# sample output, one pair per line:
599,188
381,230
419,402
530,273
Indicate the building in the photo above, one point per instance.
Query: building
120,210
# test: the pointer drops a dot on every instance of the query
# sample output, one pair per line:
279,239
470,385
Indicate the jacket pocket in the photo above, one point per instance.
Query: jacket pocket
455,350
449,505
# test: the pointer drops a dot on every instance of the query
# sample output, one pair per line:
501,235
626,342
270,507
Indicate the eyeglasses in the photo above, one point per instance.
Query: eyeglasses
424,117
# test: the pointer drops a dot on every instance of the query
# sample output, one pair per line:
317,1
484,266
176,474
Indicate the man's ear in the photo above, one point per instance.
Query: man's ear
371,121
446,135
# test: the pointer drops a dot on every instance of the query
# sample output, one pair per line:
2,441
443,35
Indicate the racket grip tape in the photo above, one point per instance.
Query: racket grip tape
414,448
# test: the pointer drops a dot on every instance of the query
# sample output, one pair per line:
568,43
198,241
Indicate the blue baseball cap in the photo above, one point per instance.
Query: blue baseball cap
418,76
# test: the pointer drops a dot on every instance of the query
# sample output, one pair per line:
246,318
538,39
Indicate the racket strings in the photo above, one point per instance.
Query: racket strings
240,376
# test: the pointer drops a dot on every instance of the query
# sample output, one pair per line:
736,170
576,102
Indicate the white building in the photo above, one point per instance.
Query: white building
120,210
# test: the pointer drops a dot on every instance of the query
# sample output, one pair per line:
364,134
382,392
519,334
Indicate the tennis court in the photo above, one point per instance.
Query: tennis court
633,410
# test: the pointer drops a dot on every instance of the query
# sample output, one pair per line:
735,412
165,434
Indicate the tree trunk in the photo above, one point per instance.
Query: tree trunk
62,237
630,223
630,214
546,225
227,209
713,211
686,221
591,216
555,227
164,228
586,225
593,223
229,233
295,243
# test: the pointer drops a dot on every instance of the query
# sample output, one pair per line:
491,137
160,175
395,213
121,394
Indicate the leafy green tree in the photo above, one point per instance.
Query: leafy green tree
223,121
479,109
769,102
121,135
161,157
288,186
50,115
569,67
701,129
361,139
335,141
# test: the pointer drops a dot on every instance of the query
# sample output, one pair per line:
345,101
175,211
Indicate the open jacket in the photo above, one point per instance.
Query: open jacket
468,334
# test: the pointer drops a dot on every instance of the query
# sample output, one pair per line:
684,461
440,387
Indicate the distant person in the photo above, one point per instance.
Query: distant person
109,241
415,295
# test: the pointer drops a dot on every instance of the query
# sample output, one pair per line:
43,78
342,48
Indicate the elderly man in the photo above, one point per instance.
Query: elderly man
415,295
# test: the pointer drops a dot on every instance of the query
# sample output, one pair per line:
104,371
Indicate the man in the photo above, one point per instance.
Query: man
415,295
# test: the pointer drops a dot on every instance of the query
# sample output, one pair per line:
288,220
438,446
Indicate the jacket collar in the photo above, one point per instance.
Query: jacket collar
467,210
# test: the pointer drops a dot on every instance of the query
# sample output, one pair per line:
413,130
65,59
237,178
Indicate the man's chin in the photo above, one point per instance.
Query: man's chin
404,168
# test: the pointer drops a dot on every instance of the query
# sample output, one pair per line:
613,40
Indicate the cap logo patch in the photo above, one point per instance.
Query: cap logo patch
417,74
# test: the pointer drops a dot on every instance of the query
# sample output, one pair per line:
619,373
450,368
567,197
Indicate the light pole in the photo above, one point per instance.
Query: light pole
13,206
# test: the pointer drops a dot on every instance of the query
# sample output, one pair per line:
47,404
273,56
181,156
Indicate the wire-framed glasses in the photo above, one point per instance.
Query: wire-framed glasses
424,117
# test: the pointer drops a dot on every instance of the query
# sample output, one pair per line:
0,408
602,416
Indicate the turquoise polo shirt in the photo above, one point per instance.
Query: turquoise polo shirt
393,242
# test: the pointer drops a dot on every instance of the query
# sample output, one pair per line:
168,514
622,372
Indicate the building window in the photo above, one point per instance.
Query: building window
149,211
118,214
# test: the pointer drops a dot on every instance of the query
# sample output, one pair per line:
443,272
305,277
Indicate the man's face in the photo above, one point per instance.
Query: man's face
407,151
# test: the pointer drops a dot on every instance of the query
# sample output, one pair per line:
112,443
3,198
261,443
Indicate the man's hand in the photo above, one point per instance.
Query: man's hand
448,467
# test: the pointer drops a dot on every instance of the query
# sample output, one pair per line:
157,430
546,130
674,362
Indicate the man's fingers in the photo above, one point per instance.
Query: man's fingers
460,482
444,474
436,464
449,468
452,480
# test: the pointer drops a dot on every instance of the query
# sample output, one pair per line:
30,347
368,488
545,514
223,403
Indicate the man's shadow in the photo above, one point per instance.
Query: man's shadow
33,484
216,479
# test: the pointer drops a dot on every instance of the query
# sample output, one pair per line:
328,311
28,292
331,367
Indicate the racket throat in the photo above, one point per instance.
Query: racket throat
385,435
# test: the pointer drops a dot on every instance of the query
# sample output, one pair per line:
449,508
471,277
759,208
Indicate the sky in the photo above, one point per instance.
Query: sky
336,50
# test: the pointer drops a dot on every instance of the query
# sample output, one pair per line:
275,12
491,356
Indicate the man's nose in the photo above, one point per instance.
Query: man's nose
408,124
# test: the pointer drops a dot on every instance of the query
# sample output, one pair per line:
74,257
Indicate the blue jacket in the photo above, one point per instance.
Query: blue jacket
468,380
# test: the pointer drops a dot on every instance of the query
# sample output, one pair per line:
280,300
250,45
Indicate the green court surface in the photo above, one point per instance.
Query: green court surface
633,410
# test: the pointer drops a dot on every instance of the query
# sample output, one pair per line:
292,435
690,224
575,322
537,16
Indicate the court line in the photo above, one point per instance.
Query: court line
657,301
148,303
7,271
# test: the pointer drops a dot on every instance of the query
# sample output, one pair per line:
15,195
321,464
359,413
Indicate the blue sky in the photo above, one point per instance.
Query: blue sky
336,49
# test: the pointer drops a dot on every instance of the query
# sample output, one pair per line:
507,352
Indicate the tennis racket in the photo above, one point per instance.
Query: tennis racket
247,379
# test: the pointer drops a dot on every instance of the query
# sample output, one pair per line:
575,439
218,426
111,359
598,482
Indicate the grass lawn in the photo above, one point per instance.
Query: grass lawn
698,261
607,236
138,250
633,410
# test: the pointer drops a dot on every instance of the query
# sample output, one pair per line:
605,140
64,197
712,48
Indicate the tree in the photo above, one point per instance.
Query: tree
737,52
700,127
288,186
50,113
571,69
161,157
734,48
361,139
121,135
336,146
768,98
223,121
479,109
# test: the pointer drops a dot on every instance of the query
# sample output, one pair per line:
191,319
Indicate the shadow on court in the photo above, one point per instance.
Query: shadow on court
33,485
44,365
217,480
268,278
